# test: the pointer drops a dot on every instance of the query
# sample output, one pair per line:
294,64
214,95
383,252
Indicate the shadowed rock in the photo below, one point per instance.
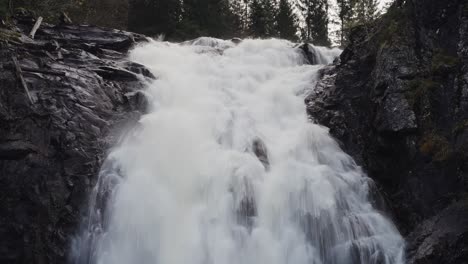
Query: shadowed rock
260,151
309,53
51,150
398,103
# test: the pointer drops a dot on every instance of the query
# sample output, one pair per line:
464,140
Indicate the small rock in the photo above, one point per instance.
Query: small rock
260,151
236,40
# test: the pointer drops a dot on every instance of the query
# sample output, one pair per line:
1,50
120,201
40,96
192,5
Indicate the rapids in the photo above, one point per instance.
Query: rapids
226,168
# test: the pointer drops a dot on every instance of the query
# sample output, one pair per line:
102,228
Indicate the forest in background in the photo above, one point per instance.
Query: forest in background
321,22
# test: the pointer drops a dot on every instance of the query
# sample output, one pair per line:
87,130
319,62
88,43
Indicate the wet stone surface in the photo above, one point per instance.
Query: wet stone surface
82,92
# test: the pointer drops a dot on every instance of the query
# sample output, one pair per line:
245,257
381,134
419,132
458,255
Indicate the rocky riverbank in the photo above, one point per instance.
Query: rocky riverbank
62,96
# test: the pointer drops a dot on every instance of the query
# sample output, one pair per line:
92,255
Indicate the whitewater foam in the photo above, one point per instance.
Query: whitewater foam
188,184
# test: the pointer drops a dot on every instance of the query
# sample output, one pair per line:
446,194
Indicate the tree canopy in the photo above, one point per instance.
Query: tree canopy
306,20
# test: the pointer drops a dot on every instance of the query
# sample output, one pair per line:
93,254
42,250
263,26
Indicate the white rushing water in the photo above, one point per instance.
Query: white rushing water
226,168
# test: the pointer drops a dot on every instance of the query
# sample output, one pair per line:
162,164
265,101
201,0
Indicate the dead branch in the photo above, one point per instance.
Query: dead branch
57,73
19,74
36,27
34,70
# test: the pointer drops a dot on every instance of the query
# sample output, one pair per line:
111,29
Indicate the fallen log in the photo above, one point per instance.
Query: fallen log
36,27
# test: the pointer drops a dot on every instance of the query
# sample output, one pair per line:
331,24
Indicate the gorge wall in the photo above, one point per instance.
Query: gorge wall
398,102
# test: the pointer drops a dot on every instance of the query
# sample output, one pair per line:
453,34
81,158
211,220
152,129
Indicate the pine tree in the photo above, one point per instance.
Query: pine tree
315,13
346,12
239,18
154,16
366,11
286,21
373,11
246,13
208,17
271,10
262,18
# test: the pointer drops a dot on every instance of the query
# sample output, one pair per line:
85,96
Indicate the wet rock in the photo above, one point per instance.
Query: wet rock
236,40
246,207
309,53
396,102
440,234
51,149
396,115
260,150
115,73
138,101
138,69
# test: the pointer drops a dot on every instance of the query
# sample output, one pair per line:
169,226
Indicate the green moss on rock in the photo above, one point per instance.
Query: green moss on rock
417,88
9,35
441,61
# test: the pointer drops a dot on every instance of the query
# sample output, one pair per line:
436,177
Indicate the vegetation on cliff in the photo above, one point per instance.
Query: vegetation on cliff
317,21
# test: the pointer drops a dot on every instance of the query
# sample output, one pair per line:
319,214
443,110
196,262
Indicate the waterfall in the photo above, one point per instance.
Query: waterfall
226,168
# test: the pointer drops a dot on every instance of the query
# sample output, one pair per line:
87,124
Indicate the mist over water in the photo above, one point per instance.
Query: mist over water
226,168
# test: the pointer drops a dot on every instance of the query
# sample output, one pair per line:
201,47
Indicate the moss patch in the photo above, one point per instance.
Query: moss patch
9,35
417,88
435,146
441,62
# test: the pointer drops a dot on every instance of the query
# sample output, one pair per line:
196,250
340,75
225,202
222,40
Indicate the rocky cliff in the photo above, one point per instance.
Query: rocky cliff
62,97
398,103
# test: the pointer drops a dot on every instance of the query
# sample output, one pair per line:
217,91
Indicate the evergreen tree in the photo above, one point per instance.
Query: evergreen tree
257,24
262,18
154,17
208,17
239,18
346,12
315,13
366,11
286,21
246,13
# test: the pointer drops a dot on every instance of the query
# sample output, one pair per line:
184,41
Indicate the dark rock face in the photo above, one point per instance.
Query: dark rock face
442,238
398,103
51,146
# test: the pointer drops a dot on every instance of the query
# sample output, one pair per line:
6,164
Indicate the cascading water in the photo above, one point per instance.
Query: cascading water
226,168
